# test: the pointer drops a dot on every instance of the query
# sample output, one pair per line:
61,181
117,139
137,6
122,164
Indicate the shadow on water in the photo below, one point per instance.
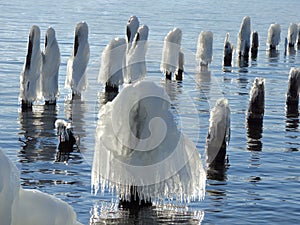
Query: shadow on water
38,131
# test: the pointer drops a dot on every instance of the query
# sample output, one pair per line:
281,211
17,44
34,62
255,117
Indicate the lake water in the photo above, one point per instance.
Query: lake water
261,183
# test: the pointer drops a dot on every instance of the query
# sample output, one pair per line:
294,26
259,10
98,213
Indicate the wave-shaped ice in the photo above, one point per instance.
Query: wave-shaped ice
27,207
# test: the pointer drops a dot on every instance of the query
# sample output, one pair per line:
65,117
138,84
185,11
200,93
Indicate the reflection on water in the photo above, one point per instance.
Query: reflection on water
291,128
173,89
75,110
243,63
108,213
254,134
273,56
218,173
38,131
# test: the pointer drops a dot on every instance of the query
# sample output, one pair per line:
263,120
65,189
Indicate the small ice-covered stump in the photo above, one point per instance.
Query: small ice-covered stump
135,69
274,33
292,96
204,52
50,68
66,139
76,77
228,51
254,45
218,135
256,107
243,39
292,35
112,61
141,154
30,88
171,53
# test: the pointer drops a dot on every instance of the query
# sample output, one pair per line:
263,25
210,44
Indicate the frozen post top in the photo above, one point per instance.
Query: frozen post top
218,134
138,144
136,56
274,36
30,88
170,53
205,48
76,78
243,42
112,61
50,68
256,106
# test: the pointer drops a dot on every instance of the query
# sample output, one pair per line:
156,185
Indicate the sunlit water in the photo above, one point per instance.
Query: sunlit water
261,183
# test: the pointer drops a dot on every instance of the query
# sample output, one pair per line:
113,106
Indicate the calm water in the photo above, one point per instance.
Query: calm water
262,181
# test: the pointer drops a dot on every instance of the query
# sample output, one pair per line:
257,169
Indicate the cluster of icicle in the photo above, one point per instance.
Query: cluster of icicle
139,145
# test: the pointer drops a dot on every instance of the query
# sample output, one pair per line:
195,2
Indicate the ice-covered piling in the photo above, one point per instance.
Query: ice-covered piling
204,52
218,135
254,45
30,88
50,68
140,152
76,77
243,39
274,33
256,107
292,35
228,51
112,61
292,96
135,69
171,52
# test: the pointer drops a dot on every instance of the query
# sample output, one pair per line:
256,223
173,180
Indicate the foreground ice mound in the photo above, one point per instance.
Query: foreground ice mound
138,144
27,207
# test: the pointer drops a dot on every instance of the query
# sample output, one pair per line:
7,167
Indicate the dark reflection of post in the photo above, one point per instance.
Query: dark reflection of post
242,81
39,141
203,80
273,55
219,171
290,53
75,110
243,62
291,127
254,134
255,163
173,88
160,214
